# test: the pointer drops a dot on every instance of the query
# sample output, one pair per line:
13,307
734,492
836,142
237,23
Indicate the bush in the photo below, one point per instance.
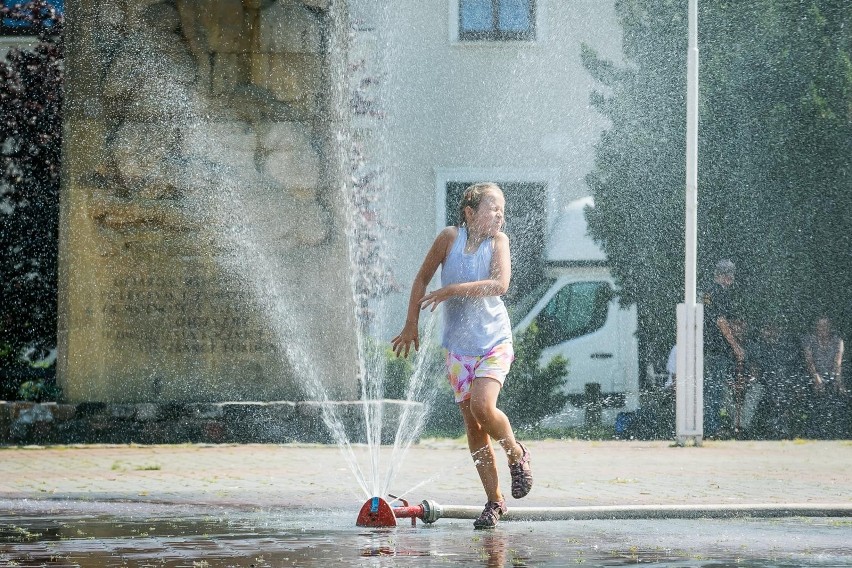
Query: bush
398,371
384,367
40,390
22,378
532,392
31,94
444,419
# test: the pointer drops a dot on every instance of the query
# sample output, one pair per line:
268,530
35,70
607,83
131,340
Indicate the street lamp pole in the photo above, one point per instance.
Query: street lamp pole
690,314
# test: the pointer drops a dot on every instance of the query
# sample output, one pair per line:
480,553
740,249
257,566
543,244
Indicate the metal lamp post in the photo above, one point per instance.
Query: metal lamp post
690,314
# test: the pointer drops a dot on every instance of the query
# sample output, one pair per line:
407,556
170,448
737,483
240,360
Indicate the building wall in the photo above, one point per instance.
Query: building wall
511,111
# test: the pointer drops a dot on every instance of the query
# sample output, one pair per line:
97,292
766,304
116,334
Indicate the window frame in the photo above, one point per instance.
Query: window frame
597,319
21,31
535,34
495,33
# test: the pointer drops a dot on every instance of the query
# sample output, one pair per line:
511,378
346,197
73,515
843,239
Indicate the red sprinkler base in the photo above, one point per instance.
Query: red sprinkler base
377,512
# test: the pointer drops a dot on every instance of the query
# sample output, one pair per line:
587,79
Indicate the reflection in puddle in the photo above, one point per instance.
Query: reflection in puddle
323,538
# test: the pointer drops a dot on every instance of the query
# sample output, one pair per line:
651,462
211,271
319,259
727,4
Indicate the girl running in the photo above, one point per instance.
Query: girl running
475,272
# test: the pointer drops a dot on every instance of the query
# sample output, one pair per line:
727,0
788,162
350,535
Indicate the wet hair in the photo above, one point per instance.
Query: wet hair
473,196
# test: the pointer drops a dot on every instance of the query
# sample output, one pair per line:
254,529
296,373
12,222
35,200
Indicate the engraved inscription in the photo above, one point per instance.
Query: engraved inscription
193,314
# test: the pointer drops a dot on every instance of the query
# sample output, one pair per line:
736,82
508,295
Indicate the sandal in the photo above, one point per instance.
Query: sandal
491,514
522,479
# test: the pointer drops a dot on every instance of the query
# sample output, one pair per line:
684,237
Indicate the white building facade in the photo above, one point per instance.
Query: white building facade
480,90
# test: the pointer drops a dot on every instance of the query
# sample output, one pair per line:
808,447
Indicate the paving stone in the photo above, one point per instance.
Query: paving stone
567,473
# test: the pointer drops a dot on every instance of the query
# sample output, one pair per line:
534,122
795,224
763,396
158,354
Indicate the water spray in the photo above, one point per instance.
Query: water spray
379,513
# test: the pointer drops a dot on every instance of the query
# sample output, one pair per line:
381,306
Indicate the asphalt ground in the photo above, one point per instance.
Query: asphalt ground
570,473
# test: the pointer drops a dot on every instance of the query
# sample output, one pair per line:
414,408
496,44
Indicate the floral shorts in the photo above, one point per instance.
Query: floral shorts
462,369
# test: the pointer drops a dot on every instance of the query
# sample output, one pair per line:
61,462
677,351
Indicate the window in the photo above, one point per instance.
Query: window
496,20
19,26
576,310
522,307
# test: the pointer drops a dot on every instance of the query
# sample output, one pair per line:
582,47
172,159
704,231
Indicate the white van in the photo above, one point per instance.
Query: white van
579,318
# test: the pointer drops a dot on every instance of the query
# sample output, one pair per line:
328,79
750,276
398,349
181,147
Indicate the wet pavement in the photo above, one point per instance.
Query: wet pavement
295,505
325,537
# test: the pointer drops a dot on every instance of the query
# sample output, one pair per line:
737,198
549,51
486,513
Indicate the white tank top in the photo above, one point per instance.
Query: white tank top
472,326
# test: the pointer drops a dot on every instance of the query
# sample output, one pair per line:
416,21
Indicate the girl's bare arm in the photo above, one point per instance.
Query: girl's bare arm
437,252
811,366
838,369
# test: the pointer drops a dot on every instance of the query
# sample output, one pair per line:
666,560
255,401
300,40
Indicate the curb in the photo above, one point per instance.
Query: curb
241,422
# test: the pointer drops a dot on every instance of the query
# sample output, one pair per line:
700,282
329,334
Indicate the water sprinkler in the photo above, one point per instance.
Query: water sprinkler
377,512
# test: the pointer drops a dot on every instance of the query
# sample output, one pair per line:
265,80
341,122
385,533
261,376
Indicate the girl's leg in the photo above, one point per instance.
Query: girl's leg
492,420
479,444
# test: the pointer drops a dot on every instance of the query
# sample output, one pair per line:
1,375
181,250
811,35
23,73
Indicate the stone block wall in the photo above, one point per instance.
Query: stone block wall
27,423
203,250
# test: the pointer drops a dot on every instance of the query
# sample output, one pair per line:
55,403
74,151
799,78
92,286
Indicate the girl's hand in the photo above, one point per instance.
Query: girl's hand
434,298
402,342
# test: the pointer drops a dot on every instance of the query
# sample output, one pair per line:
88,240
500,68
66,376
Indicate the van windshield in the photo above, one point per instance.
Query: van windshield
577,309
519,309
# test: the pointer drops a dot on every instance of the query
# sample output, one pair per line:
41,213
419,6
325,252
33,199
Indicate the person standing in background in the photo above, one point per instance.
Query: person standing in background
778,371
723,353
823,351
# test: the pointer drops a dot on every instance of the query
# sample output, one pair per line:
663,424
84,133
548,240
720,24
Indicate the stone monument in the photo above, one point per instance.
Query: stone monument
200,172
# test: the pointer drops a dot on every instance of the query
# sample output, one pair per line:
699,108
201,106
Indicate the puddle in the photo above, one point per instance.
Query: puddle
159,536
